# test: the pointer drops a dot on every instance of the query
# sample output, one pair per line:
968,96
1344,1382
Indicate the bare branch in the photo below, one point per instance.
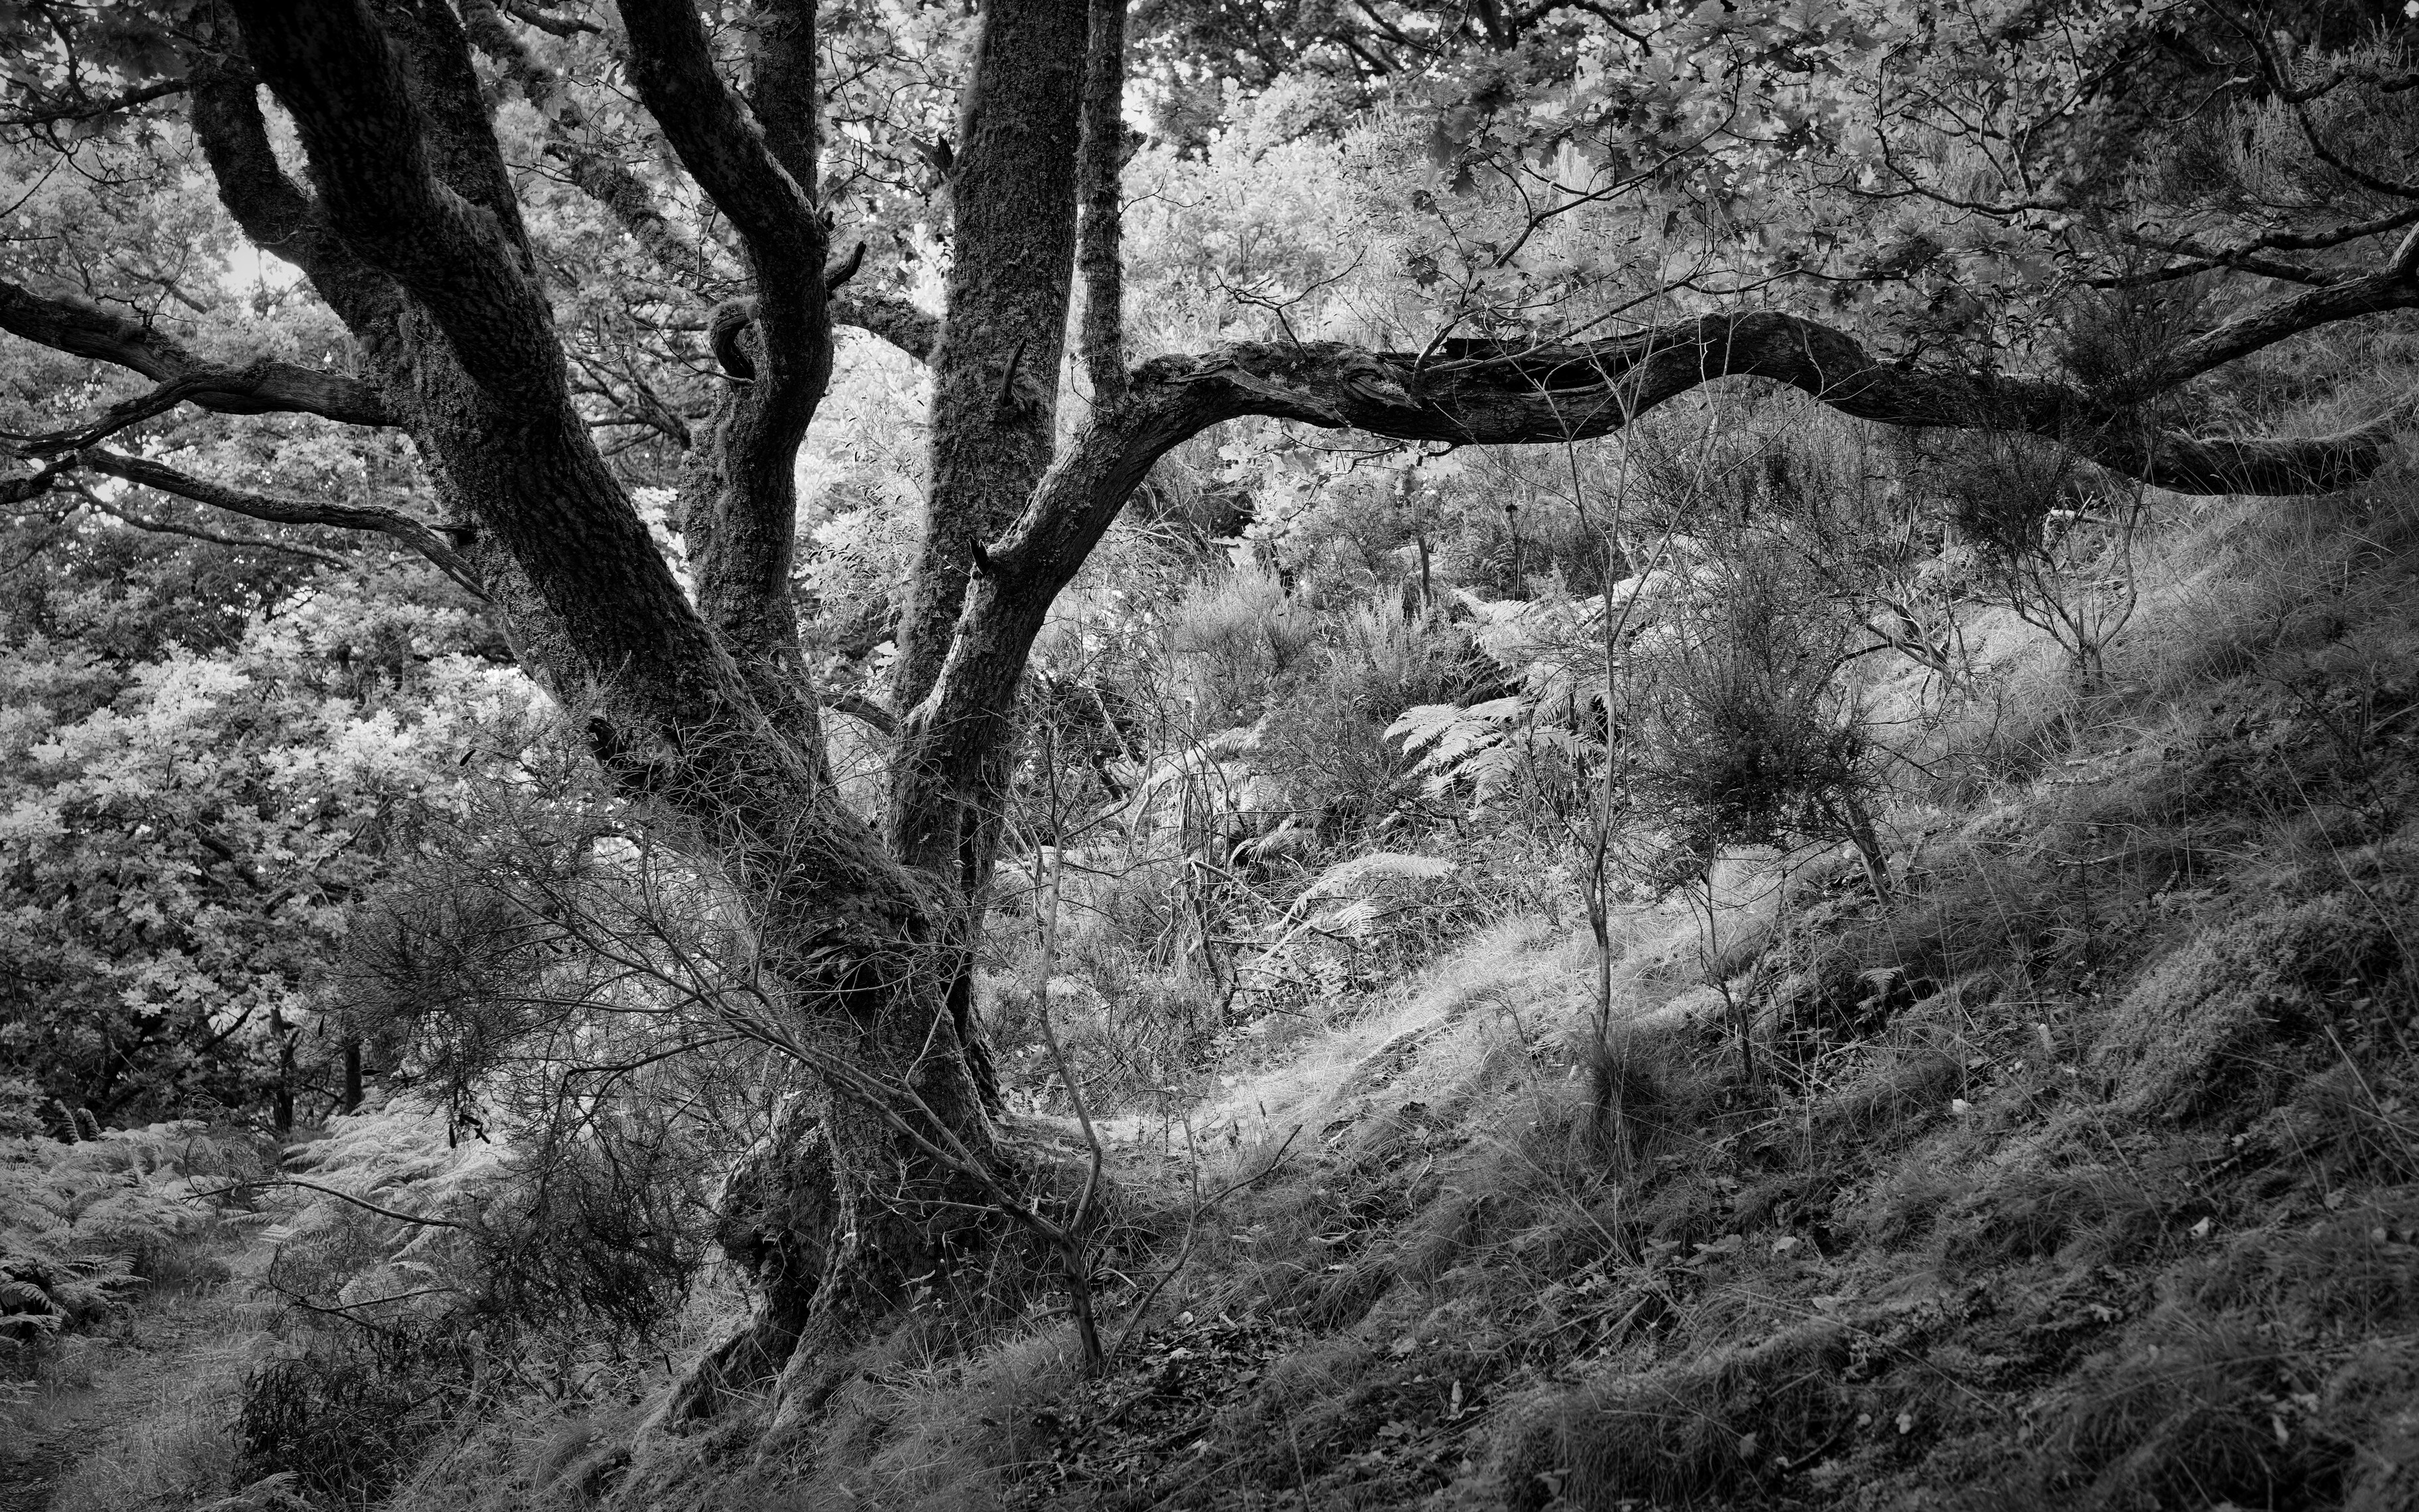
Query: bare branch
857,707
263,387
892,318
547,22
80,108
339,1195
198,533
1482,394
412,531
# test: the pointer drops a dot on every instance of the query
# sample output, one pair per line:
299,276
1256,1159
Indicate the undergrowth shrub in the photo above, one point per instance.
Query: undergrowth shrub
1327,737
1229,640
344,1419
1748,733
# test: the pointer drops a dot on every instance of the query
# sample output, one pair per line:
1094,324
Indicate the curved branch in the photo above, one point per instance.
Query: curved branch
1481,394
723,149
742,532
263,387
406,529
857,707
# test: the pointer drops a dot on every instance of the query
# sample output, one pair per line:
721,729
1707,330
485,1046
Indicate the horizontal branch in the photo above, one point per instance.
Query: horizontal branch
857,707
1484,393
26,489
892,318
80,107
547,21
406,529
263,387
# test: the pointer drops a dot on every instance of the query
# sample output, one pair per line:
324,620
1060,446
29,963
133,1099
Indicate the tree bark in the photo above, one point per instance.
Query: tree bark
1099,255
995,374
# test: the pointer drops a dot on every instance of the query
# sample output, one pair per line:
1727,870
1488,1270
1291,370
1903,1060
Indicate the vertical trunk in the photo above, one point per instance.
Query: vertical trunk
282,1094
1099,255
995,376
352,1099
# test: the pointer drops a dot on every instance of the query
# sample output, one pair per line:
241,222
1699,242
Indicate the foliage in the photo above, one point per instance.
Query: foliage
84,1224
184,828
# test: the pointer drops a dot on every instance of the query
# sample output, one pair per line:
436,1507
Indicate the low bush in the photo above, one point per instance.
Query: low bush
344,1419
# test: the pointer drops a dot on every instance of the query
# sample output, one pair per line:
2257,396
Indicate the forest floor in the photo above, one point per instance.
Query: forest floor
140,1414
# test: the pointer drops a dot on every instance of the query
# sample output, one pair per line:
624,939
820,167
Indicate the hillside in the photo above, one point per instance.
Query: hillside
2085,1171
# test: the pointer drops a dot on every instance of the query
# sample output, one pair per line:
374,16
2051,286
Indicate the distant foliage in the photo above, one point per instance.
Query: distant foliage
183,828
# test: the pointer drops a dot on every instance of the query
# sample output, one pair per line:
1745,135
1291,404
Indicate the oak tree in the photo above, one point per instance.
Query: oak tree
460,336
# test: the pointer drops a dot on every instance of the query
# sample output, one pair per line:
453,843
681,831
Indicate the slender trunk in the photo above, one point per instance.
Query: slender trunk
282,1095
353,1098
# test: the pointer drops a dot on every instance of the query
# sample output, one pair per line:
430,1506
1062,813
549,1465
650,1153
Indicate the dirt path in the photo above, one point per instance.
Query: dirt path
141,1400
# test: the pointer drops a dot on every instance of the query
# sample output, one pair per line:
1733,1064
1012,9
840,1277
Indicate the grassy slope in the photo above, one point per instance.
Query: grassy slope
2087,1172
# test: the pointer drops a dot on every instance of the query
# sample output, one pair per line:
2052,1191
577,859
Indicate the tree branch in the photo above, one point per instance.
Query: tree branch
407,530
546,22
723,149
197,532
857,707
82,109
599,175
892,318
368,143
275,212
263,387
743,531
1011,265
24,490
1481,394
783,99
